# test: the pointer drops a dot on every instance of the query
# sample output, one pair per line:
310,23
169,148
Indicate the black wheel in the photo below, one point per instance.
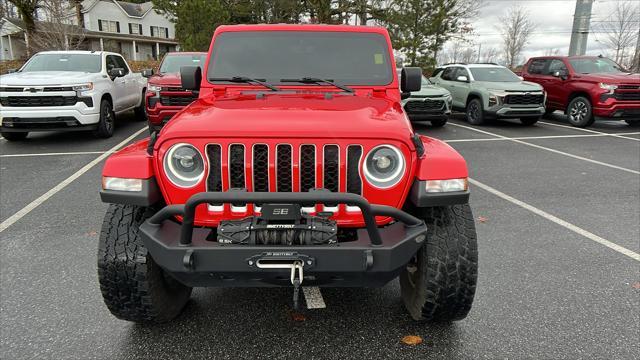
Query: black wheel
529,120
140,111
579,112
474,112
133,286
438,122
14,136
440,282
107,120
634,123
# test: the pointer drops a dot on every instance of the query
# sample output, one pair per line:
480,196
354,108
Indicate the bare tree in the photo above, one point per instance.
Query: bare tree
57,30
7,9
27,11
468,55
621,30
516,28
552,52
489,55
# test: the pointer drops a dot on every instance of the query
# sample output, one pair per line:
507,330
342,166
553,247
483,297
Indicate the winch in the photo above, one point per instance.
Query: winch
279,224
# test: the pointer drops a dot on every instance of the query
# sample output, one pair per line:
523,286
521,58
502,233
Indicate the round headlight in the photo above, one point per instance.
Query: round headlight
384,166
184,165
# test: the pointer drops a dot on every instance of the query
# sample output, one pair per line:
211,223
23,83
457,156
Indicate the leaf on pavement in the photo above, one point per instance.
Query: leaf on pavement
412,340
92,233
482,219
296,316
636,285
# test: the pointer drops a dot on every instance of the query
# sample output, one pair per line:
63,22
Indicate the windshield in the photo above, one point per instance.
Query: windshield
173,63
495,74
425,81
64,62
599,65
343,57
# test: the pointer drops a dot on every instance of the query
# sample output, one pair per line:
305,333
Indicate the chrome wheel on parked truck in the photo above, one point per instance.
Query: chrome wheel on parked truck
579,112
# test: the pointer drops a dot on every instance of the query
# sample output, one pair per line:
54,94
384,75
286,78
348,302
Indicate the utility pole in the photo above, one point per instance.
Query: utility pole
479,50
581,24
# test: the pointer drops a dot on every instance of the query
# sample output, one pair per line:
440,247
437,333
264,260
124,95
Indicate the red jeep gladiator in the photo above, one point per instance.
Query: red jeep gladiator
165,96
296,166
587,88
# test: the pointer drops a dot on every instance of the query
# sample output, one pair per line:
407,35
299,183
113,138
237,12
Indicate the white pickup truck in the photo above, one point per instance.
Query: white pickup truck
69,90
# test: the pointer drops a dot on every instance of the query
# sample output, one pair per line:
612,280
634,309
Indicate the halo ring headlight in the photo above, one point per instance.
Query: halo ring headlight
384,166
184,165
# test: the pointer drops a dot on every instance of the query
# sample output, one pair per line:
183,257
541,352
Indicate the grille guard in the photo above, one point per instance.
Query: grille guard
316,196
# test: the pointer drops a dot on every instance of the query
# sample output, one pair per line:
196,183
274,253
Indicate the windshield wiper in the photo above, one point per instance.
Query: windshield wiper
244,79
312,80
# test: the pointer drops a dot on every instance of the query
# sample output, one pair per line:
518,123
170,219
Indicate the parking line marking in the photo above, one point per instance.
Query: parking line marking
550,150
54,154
589,130
541,137
37,202
313,297
578,230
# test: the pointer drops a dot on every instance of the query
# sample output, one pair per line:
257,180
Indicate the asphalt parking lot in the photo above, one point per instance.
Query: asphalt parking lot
558,220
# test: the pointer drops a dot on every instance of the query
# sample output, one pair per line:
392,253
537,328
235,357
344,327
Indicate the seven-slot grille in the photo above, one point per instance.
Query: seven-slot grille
313,162
524,99
424,106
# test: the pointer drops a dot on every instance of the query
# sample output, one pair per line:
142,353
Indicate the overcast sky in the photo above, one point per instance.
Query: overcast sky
554,19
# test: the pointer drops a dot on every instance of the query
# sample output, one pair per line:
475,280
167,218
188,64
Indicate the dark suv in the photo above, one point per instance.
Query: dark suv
587,88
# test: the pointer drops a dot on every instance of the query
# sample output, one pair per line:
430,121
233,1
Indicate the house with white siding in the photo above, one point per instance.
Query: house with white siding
137,31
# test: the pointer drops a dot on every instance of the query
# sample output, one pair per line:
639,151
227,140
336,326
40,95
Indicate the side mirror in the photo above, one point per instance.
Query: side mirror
411,79
462,78
560,74
147,73
191,77
11,71
116,72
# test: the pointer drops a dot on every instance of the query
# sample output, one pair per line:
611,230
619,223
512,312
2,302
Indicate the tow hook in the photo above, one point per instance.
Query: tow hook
296,281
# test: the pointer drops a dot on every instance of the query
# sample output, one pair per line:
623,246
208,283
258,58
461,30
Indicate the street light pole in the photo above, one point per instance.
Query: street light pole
581,24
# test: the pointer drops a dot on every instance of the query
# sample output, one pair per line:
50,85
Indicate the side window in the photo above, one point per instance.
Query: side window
111,63
447,74
461,72
436,72
537,66
122,64
556,65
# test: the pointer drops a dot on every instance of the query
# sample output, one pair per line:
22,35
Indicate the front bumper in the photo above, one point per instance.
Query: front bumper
377,256
506,111
79,116
618,111
423,112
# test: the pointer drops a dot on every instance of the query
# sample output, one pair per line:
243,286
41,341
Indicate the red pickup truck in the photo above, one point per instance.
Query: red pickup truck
587,88
165,96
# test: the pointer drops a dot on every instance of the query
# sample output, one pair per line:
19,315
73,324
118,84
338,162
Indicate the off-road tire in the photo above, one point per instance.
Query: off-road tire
440,282
133,286
140,111
14,136
580,112
107,120
633,123
436,123
528,121
474,112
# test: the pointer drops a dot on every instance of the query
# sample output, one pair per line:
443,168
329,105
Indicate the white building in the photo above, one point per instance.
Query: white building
137,31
